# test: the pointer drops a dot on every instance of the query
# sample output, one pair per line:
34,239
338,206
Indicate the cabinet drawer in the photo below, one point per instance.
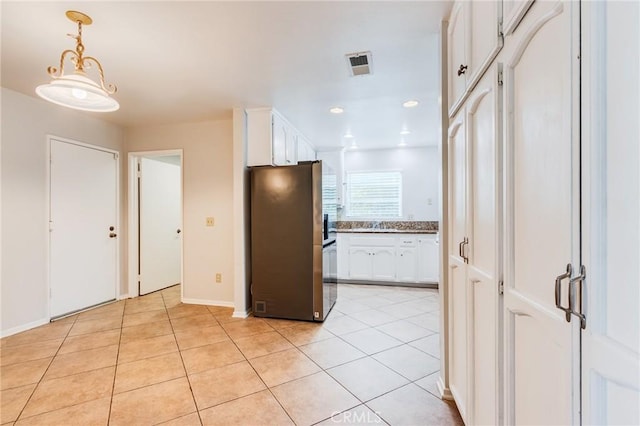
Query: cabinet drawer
373,241
407,241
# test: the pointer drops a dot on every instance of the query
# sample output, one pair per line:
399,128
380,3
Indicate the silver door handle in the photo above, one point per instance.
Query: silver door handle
464,256
572,297
559,278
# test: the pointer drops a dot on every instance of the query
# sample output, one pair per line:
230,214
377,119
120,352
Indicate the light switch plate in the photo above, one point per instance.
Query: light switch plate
210,221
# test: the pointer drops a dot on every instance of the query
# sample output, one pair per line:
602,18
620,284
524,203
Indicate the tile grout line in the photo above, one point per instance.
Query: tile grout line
45,372
256,372
186,374
115,370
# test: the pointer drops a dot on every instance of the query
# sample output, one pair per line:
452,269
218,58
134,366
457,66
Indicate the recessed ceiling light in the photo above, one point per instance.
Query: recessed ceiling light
353,145
410,104
348,135
336,110
402,143
405,132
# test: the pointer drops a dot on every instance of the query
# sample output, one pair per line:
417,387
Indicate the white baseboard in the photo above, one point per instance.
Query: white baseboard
24,327
207,302
241,314
123,296
445,393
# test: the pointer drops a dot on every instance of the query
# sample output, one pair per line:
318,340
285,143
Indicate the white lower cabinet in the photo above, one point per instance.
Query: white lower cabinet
360,264
428,259
406,258
383,264
407,264
372,263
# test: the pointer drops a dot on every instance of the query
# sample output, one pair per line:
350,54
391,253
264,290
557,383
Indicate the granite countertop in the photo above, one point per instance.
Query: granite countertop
388,227
386,231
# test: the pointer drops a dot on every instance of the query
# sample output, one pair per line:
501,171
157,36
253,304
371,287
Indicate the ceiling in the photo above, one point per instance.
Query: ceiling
177,62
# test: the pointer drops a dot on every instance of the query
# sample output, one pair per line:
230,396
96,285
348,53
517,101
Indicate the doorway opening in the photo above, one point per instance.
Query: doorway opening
155,221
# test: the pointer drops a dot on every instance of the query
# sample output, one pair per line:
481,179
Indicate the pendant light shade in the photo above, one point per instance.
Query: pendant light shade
76,90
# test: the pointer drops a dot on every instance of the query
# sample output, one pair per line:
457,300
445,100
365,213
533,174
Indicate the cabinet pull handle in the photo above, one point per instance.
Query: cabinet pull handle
572,297
558,293
462,69
460,249
464,256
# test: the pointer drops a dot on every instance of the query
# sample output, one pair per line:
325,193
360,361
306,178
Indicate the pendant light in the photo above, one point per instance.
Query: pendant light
77,90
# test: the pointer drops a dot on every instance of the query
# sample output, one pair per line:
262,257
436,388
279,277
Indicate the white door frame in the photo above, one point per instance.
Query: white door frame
132,216
49,139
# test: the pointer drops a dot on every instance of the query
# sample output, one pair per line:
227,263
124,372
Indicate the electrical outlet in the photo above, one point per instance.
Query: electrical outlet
218,278
210,221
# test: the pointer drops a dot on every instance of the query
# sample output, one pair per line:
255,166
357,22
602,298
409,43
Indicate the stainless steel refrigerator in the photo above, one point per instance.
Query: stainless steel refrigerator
293,241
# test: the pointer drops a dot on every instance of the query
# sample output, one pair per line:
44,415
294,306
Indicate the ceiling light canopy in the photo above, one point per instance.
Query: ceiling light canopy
76,90
410,104
336,110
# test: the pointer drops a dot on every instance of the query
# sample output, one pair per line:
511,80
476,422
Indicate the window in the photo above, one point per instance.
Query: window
329,196
374,195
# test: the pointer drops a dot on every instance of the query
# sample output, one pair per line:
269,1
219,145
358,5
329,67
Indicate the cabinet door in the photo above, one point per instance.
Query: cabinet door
483,233
542,216
279,141
457,53
484,40
457,265
360,263
384,264
428,260
291,147
459,359
343,256
407,264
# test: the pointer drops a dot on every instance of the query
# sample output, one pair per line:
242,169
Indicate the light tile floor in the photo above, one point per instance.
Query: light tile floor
154,360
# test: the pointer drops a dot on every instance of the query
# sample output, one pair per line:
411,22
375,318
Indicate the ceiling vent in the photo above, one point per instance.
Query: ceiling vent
359,63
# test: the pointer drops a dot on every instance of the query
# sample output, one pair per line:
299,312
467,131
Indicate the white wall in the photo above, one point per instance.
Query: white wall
420,168
207,191
26,122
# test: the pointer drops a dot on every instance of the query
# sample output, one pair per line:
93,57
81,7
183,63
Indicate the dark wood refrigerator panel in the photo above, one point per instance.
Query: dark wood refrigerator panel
282,241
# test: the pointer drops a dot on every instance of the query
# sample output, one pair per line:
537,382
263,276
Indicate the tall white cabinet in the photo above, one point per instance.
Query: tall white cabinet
474,258
539,154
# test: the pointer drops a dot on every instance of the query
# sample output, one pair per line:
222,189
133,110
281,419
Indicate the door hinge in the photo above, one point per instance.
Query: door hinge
500,78
500,287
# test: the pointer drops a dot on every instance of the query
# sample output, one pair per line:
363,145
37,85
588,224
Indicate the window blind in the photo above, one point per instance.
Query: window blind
374,195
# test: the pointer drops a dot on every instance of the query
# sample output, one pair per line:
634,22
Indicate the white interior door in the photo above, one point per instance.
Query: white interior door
160,218
611,339
542,215
83,220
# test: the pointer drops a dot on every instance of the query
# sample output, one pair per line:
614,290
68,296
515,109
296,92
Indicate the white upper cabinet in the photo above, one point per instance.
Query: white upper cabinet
513,11
305,150
474,40
280,138
272,140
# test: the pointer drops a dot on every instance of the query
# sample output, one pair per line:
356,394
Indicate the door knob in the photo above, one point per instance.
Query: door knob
112,235
178,231
462,69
